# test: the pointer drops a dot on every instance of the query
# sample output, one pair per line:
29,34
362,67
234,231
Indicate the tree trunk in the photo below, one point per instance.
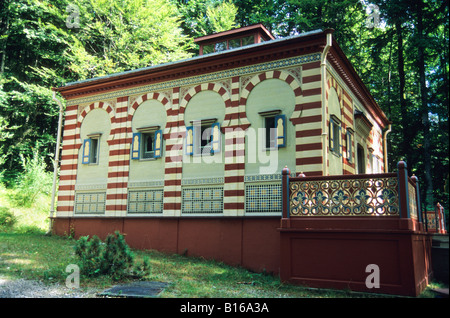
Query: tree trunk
405,144
429,200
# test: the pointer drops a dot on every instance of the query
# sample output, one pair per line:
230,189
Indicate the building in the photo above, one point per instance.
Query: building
186,157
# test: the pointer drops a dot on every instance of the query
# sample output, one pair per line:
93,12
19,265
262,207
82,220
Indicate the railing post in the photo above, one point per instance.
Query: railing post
402,174
419,208
285,191
441,220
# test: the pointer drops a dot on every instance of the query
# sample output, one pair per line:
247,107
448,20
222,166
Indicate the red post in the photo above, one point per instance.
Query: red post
285,191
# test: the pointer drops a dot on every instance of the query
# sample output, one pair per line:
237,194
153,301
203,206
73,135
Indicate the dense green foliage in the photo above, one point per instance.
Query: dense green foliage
403,58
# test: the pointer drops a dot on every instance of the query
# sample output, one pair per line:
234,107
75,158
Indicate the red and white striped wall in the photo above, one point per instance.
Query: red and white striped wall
307,119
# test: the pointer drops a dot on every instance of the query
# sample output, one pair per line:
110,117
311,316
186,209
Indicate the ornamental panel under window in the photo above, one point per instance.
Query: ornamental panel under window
145,201
202,200
90,203
263,198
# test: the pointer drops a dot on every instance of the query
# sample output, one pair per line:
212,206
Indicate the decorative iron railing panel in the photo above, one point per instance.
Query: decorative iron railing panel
412,201
377,196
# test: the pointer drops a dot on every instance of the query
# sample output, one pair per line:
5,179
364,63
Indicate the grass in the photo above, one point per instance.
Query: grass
27,252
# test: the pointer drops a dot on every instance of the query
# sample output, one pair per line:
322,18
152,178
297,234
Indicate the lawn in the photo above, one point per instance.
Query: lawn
27,252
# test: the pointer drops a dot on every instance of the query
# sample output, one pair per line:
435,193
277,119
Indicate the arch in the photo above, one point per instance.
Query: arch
332,83
334,109
216,87
281,75
149,96
97,105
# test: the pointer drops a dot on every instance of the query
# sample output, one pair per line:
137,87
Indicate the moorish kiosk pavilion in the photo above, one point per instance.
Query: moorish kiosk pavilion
267,153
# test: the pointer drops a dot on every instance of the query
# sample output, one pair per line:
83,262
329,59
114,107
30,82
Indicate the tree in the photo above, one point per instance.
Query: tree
203,17
41,47
115,36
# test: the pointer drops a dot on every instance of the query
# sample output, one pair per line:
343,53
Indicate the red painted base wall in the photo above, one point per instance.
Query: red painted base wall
331,253
253,243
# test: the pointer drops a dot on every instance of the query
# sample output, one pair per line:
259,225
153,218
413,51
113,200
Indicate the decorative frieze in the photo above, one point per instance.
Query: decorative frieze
204,78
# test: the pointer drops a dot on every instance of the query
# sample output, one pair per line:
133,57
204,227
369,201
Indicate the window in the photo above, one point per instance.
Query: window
228,44
220,46
203,138
146,144
361,159
349,145
335,135
91,149
275,129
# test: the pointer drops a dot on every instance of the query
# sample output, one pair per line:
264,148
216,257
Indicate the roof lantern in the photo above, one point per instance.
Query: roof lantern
234,38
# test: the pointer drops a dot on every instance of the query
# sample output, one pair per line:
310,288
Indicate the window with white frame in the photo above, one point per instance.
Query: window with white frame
335,135
203,137
275,129
91,147
147,143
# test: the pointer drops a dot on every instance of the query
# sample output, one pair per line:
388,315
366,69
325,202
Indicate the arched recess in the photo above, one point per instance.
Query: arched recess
215,87
206,102
335,140
281,75
97,105
94,124
152,96
269,98
149,110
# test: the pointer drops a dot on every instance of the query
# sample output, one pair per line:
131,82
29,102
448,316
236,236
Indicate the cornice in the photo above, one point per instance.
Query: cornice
129,90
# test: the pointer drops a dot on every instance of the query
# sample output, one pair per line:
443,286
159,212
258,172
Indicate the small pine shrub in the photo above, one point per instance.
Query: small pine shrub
112,257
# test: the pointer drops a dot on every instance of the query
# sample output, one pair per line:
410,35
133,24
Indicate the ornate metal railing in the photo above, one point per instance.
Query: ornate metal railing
384,194
344,197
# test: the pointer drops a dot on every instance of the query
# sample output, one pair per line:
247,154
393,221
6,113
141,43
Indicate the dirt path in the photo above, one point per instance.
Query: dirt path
22,288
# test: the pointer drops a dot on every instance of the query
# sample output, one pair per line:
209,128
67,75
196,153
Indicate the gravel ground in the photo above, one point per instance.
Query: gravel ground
22,288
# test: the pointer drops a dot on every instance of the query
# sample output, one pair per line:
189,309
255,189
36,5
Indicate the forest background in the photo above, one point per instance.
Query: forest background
400,49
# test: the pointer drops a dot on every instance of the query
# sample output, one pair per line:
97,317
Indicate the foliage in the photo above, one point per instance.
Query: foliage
116,36
112,257
7,219
203,17
34,181
32,219
39,50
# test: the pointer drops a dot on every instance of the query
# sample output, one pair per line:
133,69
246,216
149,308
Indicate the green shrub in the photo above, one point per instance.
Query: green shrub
112,257
35,180
7,218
